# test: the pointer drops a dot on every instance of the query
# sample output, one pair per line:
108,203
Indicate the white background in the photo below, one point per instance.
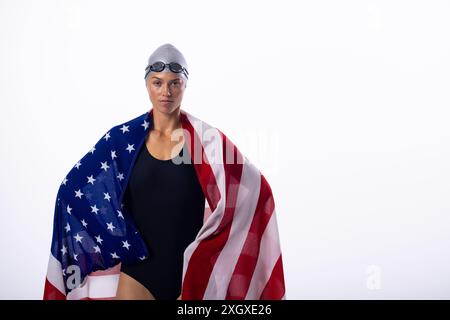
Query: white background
343,105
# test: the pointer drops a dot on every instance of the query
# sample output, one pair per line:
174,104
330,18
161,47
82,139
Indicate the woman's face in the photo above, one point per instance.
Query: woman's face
166,90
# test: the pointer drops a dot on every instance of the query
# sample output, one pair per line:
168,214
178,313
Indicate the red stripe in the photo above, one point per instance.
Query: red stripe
204,257
204,172
233,174
275,289
52,293
245,266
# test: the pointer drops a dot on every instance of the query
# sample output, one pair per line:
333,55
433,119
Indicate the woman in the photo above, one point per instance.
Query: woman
160,275
164,206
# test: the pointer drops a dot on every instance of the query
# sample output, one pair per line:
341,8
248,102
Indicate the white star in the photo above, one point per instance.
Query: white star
97,249
142,258
126,244
69,210
92,150
75,256
84,223
110,226
64,272
78,164
78,238
125,128
104,165
130,147
145,125
107,196
113,154
120,214
94,209
114,255
64,250
107,136
78,193
64,181
98,239
120,176
91,179
67,227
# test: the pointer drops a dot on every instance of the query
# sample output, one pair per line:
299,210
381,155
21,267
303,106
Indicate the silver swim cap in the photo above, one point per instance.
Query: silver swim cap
167,54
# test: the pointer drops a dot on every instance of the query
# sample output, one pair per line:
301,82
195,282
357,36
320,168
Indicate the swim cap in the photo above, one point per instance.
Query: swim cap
166,53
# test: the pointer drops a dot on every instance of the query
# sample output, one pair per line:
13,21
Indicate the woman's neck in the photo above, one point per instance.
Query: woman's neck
164,123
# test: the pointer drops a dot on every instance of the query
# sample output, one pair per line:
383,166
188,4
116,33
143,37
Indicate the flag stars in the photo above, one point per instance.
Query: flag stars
92,150
91,179
104,165
110,226
126,245
107,136
143,257
78,238
78,193
120,176
114,255
67,227
99,239
130,147
113,154
94,209
78,165
84,223
107,196
145,125
69,209
75,256
64,250
64,181
125,129
97,249
120,215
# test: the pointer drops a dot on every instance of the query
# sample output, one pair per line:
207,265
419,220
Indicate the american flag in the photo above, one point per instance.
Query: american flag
235,255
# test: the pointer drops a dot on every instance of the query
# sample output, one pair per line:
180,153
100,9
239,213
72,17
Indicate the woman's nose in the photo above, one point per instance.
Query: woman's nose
167,90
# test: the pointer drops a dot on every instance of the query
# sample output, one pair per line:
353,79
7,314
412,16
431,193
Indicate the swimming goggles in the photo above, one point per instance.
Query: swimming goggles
159,66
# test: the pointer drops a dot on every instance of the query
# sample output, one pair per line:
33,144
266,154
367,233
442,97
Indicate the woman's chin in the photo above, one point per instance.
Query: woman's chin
166,108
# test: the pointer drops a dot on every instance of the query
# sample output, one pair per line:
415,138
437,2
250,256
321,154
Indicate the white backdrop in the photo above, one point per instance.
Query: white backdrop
343,105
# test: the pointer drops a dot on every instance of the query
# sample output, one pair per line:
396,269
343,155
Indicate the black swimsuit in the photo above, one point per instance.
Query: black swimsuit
167,204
